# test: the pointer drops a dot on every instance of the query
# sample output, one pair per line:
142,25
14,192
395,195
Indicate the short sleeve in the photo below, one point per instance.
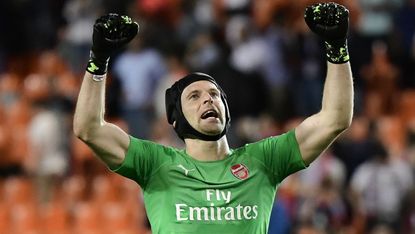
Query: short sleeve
142,159
281,155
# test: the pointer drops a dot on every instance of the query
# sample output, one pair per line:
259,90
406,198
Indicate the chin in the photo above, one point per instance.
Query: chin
210,129
212,132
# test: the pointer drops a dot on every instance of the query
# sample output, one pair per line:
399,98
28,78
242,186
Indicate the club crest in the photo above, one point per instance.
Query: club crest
240,171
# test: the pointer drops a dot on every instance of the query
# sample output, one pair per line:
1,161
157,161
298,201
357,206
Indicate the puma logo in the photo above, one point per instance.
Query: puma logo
186,171
92,67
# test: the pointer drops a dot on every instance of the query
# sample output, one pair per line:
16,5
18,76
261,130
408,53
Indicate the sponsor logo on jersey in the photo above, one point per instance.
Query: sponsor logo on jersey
219,207
240,171
185,212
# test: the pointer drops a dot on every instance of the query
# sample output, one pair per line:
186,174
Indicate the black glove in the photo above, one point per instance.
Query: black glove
111,32
331,22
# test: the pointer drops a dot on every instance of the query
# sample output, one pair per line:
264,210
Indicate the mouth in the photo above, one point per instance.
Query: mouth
211,113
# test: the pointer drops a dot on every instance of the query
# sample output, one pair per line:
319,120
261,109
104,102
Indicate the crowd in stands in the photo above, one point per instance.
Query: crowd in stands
272,69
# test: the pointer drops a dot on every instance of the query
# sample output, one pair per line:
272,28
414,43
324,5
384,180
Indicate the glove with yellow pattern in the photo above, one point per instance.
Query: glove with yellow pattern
330,21
111,32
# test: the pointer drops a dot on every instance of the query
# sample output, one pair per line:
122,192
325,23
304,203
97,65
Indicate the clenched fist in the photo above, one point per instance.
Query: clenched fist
330,21
111,32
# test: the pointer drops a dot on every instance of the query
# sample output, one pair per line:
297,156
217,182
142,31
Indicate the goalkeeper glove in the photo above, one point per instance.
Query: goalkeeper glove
331,22
111,32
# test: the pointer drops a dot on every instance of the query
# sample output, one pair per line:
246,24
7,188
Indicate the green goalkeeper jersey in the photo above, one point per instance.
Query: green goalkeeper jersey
233,195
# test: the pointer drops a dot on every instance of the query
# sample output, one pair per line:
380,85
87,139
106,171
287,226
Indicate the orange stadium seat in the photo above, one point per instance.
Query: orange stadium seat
87,219
25,219
55,218
5,221
18,190
117,218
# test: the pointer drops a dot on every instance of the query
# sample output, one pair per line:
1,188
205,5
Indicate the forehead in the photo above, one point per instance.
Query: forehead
199,86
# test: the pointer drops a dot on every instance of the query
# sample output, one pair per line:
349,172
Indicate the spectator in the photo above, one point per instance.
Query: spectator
381,77
48,158
380,184
139,70
353,148
80,16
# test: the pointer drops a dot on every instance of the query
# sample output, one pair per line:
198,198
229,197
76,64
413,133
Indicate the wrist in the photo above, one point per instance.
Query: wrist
337,51
99,78
97,65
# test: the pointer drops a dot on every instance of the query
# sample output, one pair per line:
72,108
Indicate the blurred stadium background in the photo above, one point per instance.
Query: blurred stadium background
272,69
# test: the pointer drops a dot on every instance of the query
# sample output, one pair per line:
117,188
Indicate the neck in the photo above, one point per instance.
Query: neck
207,150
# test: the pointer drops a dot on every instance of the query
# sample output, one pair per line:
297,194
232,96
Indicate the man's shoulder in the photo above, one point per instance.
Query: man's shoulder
269,139
151,146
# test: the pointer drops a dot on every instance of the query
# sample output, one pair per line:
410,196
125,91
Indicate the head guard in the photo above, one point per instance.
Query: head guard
174,108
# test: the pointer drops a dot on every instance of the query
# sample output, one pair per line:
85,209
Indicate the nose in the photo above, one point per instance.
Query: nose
208,99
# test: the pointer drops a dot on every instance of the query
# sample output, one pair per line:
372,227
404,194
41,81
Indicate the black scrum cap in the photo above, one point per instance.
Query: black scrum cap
174,108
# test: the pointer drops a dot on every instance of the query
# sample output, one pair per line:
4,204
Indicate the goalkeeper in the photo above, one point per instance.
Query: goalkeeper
208,187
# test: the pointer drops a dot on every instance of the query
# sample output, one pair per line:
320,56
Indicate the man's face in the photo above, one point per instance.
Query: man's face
203,108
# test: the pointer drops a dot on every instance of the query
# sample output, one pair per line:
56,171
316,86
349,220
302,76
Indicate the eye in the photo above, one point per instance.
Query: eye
214,94
194,96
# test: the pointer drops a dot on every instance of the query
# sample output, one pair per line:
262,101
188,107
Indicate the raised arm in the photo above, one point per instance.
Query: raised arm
108,141
317,132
